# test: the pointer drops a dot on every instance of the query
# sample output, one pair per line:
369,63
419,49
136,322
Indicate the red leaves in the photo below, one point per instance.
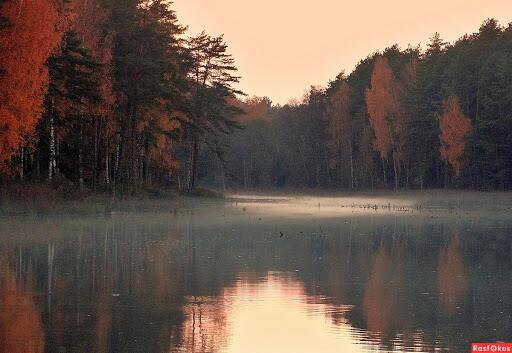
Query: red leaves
9,136
455,127
34,32
25,46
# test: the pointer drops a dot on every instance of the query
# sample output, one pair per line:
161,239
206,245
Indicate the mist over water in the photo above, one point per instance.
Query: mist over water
262,274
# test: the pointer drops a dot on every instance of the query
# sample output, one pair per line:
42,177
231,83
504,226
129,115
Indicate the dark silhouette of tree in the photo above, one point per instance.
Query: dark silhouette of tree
147,67
211,79
73,92
339,130
131,103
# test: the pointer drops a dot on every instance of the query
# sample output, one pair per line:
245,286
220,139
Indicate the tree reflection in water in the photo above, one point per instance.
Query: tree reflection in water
453,279
158,283
21,329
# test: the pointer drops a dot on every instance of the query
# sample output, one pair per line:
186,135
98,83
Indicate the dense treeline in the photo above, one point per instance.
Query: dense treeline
109,94
112,95
402,119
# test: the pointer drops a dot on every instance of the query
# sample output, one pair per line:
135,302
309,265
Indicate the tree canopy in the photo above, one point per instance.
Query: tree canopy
113,95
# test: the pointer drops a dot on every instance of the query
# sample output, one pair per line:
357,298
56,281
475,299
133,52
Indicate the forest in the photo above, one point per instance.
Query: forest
114,95
403,119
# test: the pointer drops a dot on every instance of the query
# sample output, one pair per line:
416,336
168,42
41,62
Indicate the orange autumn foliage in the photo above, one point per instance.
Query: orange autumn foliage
25,45
455,127
160,124
386,108
382,104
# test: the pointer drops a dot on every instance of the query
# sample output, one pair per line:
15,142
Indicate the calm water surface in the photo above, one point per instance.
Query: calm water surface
258,275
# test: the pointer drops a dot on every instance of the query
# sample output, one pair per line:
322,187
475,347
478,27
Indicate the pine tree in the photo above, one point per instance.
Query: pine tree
436,45
149,72
73,90
212,78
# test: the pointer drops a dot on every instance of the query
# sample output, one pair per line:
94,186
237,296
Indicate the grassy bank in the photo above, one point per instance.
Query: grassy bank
57,199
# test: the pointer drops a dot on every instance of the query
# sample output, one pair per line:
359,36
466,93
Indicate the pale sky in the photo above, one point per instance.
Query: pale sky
281,47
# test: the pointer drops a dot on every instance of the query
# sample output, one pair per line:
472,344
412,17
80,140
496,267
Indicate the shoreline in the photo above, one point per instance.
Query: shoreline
50,200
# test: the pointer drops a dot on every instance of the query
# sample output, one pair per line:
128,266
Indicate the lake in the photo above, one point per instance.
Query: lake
259,274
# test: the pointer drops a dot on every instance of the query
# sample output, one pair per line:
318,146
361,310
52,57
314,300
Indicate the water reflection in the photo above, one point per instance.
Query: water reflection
205,326
21,329
285,318
453,278
382,303
225,280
